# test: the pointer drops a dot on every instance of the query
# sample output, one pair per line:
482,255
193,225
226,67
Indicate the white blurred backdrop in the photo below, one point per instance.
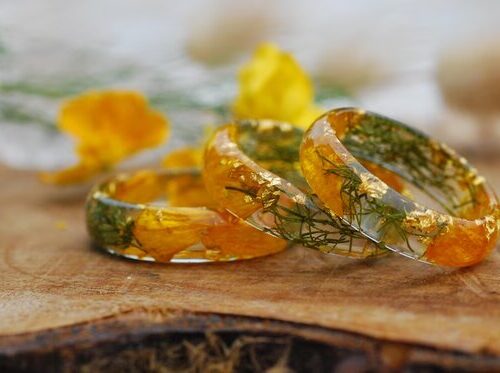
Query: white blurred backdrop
432,64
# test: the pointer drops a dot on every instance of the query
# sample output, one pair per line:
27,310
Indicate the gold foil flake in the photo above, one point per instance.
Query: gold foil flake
478,180
490,225
462,161
371,186
328,130
98,194
424,221
434,145
265,175
247,198
254,177
112,188
425,240
159,215
270,197
286,127
269,125
448,150
299,198
275,181
473,178
228,147
265,125
428,222
236,163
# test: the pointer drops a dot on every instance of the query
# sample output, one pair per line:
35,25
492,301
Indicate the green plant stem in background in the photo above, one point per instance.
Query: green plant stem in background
16,114
64,88
164,100
172,100
328,92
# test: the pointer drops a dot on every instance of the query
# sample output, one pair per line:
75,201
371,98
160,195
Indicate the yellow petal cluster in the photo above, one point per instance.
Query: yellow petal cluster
108,126
272,85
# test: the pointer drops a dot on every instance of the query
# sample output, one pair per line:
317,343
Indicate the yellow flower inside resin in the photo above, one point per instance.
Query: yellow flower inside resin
187,190
186,157
274,86
108,127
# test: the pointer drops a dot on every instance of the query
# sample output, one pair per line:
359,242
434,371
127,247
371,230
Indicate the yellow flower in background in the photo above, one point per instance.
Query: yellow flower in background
274,86
108,127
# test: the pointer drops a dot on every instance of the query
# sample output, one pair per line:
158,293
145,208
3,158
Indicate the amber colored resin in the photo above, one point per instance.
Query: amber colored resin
143,186
188,191
235,238
464,243
326,186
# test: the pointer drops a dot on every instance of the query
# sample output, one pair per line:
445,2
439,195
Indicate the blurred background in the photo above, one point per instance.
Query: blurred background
432,64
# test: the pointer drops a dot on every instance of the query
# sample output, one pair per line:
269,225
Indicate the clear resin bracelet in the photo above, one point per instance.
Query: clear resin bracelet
156,216
458,226
252,169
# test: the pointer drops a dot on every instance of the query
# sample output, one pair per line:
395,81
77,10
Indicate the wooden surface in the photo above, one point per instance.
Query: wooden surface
51,279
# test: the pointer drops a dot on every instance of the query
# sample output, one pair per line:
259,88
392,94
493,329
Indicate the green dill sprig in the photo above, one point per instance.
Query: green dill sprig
306,223
109,225
358,205
414,157
300,220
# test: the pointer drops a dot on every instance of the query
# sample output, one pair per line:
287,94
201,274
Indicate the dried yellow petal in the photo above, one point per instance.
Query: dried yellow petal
108,127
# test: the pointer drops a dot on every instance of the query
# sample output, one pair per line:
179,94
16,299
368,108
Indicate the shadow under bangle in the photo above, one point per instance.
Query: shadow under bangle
137,216
463,234
252,169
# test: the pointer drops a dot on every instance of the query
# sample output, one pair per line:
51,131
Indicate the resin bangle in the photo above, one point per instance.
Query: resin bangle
252,169
462,233
138,216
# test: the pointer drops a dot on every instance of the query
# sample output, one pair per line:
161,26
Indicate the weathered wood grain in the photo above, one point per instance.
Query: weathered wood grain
52,278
